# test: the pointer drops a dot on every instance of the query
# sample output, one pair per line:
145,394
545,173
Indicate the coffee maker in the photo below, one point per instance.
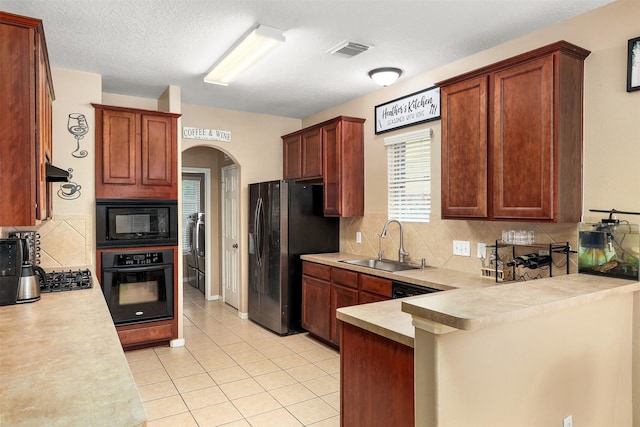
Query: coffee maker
19,278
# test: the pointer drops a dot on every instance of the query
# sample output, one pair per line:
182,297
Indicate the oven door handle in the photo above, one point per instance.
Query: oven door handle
136,269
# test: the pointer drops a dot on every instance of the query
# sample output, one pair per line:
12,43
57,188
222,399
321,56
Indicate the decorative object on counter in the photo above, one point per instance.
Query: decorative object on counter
385,76
536,263
71,280
610,247
413,109
496,267
78,127
633,65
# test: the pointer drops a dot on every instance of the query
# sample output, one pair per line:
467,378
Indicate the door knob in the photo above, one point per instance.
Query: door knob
235,246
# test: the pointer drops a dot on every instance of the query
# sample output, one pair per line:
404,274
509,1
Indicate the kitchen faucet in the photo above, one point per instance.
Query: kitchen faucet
401,252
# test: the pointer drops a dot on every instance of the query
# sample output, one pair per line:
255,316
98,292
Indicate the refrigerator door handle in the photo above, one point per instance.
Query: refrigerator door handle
259,224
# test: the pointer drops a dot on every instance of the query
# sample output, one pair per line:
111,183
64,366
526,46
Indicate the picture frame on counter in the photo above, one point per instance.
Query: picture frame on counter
633,65
419,107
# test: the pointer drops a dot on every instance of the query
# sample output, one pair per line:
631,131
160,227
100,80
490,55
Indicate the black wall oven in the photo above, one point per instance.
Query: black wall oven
136,223
138,285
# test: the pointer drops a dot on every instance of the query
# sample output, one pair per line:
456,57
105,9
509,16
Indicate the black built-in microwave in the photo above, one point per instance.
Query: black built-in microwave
136,223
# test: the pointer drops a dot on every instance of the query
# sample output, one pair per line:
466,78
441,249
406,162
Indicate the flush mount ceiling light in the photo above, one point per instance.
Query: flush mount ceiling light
245,53
385,76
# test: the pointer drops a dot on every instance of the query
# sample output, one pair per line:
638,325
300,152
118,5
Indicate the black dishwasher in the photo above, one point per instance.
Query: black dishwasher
403,290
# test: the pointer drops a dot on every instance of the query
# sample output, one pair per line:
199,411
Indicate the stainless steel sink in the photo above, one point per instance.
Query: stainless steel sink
384,264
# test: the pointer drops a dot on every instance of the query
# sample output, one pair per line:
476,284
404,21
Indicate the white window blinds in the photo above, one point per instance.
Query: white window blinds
191,190
409,176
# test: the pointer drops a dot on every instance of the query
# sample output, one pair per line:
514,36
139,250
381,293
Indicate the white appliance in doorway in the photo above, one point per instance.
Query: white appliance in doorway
197,250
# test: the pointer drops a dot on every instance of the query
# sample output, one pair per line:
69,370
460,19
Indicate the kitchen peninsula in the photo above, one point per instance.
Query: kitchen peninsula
61,364
523,354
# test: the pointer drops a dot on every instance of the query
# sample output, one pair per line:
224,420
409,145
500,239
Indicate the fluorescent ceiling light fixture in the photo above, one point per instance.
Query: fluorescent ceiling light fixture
248,51
385,76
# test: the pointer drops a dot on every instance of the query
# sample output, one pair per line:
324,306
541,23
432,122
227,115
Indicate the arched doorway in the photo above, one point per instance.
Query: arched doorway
202,192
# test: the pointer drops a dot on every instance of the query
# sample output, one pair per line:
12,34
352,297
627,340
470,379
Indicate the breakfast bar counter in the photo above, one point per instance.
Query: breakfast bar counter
61,364
539,348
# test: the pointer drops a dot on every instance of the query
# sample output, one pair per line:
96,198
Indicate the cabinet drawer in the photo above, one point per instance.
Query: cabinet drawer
377,285
316,270
345,277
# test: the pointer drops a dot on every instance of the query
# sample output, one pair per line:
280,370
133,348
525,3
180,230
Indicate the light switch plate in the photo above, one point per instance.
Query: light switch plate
358,237
461,248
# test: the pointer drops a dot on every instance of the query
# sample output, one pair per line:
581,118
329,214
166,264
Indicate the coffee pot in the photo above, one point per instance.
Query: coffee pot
29,285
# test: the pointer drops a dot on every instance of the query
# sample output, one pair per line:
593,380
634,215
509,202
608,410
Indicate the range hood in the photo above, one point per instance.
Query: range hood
55,174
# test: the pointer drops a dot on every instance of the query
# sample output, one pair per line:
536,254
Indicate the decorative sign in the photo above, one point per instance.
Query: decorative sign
419,107
206,134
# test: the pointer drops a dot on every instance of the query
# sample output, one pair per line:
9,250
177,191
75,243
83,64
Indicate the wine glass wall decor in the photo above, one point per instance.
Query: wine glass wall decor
78,127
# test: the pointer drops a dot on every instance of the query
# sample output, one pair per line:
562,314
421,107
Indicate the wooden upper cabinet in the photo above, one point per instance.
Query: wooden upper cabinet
464,148
331,153
159,156
118,147
136,153
312,154
292,156
25,139
512,138
523,141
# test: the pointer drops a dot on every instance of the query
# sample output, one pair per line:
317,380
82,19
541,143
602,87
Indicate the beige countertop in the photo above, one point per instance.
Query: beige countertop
469,301
469,309
61,364
437,278
386,318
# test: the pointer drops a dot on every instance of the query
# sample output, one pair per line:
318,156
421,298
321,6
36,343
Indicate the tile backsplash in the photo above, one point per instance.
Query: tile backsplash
65,241
434,240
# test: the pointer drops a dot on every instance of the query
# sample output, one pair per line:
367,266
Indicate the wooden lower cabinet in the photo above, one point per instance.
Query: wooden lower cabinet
316,296
368,297
341,296
375,285
325,289
376,380
146,334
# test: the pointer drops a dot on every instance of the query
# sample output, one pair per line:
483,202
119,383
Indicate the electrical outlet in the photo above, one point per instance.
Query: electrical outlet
358,237
461,248
567,421
542,252
482,250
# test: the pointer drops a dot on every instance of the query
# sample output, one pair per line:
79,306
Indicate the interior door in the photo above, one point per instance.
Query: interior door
230,254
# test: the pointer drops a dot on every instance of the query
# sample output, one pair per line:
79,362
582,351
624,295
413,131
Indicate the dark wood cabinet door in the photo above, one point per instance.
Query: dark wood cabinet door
118,147
159,161
376,380
464,149
312,154
332,169
136,153
523,130
315,306
292,157
341,296
26,94
376,285
367,297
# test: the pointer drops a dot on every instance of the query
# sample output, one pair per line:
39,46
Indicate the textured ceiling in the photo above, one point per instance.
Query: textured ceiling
141,46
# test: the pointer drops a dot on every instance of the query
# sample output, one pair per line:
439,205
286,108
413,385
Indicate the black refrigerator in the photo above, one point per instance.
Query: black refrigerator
285,221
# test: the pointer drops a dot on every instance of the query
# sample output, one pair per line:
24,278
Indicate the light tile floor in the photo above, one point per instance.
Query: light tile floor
232,372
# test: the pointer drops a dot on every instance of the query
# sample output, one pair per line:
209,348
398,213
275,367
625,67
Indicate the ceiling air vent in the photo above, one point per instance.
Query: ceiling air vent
348,49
